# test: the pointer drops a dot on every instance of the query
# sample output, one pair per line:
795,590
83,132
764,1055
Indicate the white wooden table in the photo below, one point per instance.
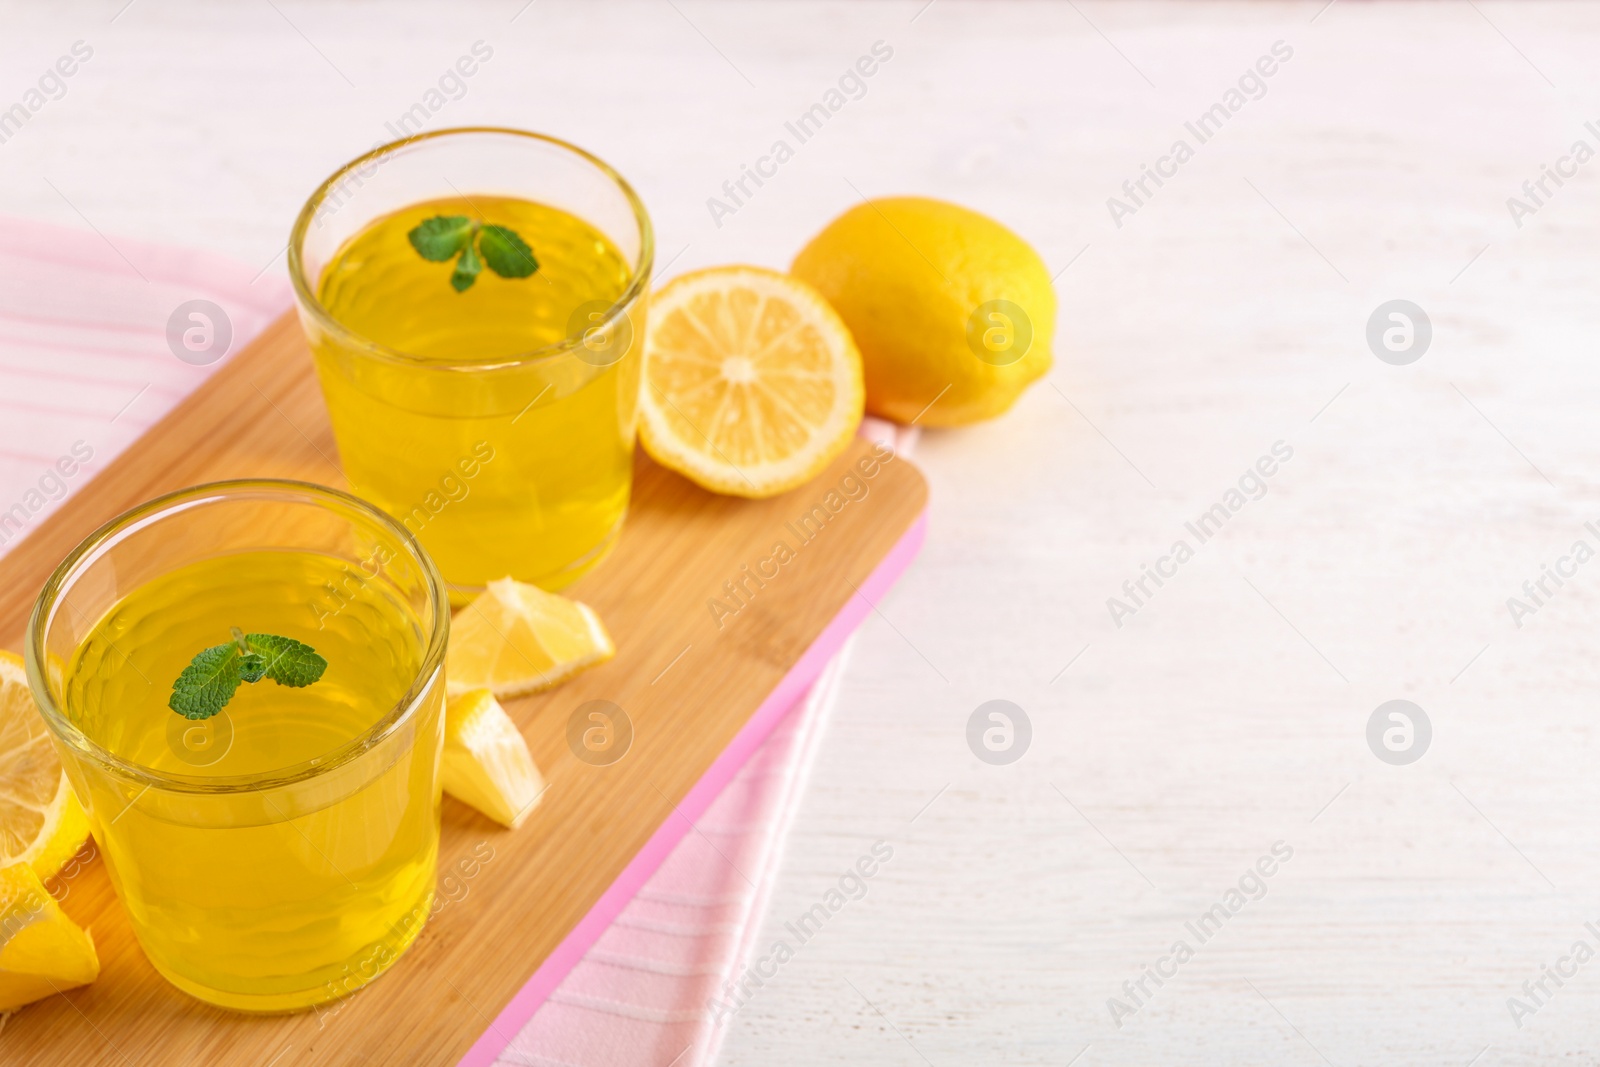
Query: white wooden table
1226,313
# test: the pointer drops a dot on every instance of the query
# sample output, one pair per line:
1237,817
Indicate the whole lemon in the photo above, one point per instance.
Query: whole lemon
953,313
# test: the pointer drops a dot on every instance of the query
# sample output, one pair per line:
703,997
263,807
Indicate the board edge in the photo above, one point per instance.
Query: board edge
785,696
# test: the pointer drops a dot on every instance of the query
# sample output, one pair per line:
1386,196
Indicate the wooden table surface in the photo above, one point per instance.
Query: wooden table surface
1226,313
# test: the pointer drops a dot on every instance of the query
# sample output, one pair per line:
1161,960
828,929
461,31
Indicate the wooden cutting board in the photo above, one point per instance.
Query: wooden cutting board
700,697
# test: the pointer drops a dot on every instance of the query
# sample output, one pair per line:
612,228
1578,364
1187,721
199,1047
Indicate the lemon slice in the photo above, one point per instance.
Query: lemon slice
752,381
41,823
486,762
517,639
41,950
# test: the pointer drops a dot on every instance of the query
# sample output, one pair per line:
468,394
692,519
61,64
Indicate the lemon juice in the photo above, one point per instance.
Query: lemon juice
308,884
453,411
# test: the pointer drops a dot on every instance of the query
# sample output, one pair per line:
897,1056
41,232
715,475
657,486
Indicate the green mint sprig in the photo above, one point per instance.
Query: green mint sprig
214,676
473,245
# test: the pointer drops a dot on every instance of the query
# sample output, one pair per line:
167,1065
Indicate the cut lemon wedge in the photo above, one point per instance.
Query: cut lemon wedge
41,950
486,762
41,823
752,381
517,639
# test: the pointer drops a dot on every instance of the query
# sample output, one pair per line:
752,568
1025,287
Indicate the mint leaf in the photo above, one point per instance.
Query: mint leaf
207,683
213,677
506,253
468,267
503,249
251,667
439,238
285,660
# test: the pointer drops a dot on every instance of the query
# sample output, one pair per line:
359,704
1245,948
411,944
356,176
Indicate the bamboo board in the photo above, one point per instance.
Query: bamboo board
701,697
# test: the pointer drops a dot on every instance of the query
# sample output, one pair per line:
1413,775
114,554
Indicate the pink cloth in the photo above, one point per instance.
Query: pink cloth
86,366
640,996
650,991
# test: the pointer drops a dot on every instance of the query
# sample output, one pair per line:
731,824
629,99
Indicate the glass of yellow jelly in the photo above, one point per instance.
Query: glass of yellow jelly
281,853
496,423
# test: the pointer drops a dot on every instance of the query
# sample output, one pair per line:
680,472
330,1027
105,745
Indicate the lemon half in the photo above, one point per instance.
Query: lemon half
752,381
41,822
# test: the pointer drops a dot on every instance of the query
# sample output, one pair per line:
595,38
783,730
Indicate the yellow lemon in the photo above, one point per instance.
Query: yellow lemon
41,950
41,823
486,761
954,314
517,638
752,382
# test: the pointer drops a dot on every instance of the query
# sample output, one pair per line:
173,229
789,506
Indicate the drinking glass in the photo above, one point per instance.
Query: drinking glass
503,465
305,874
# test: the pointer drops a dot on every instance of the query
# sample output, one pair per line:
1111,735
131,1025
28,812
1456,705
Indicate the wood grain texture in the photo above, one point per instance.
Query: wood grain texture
687,683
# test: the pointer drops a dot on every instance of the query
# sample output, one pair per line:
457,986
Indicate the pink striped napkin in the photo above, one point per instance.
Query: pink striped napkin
85,364
655,988
99,339
643,994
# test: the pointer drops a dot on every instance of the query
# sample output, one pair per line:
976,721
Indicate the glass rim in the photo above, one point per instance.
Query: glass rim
288,489
312,304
